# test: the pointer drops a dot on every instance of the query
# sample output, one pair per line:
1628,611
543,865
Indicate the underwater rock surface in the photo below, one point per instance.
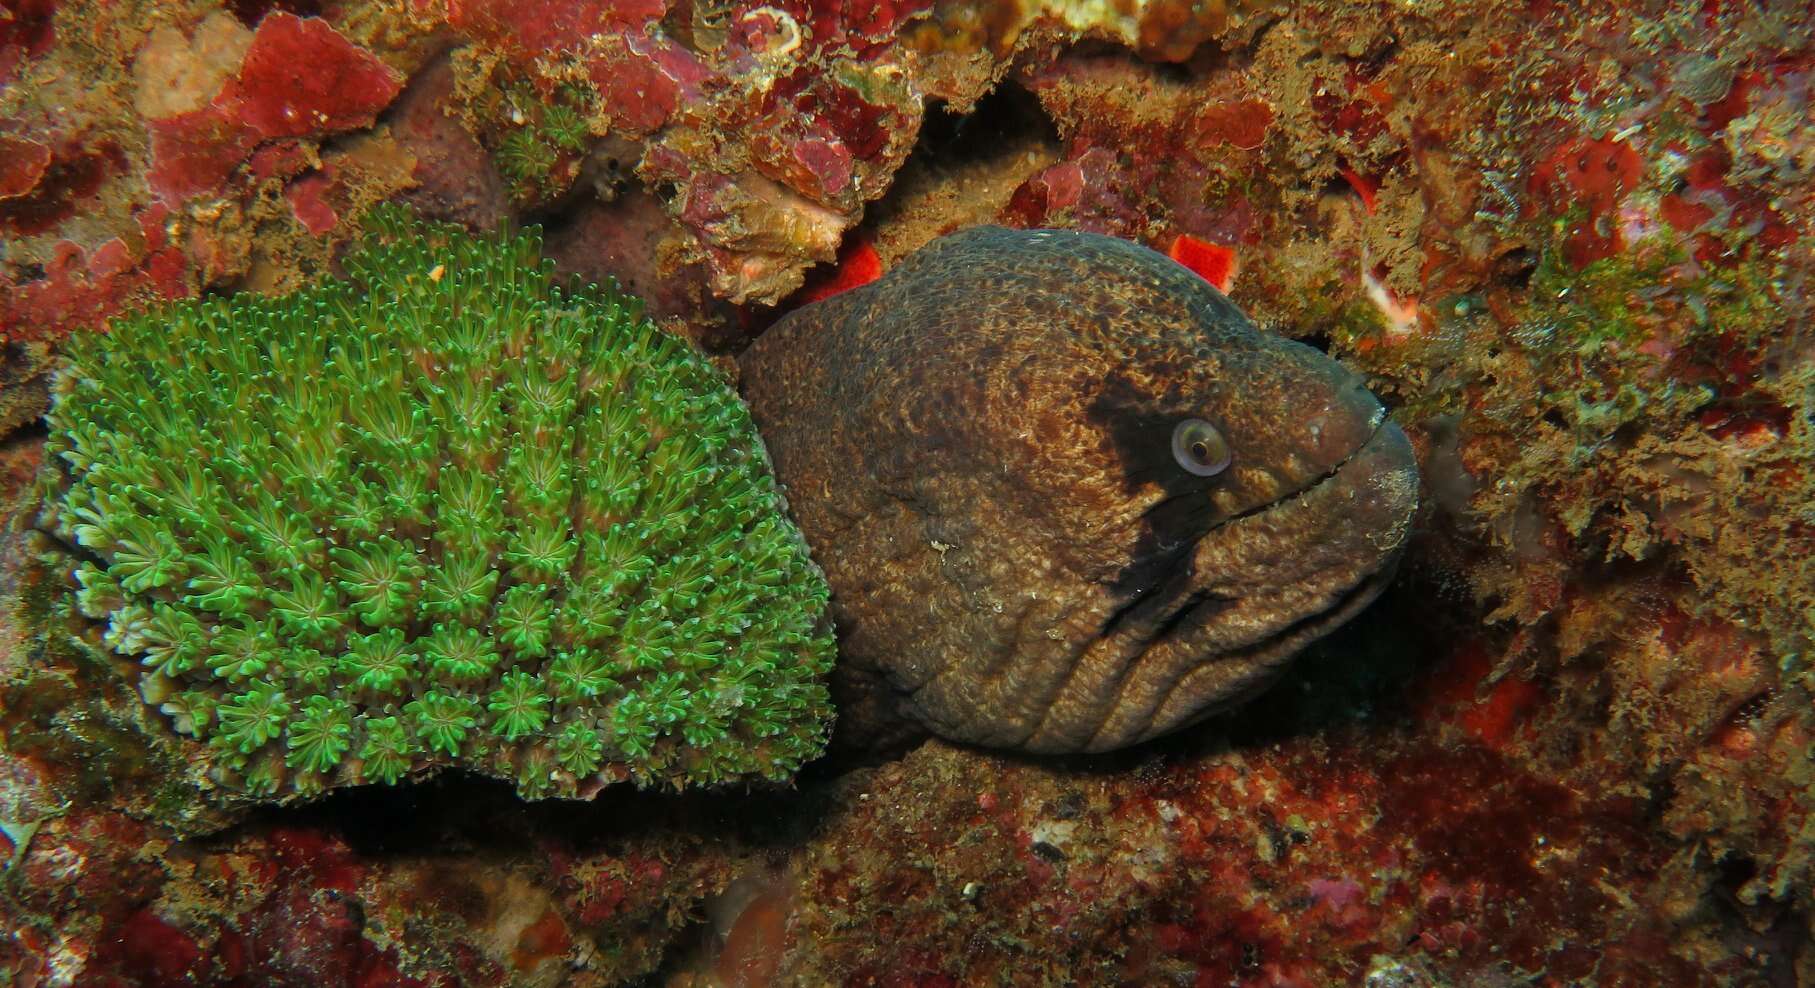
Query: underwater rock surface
1067,496
1569,245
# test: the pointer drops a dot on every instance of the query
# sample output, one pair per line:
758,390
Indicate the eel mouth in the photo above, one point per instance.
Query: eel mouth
1162,589
1232,606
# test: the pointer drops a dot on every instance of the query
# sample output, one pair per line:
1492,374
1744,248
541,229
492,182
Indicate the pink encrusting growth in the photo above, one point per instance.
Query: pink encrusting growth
308,202
858,264
526,29
26,31
81,288
300,79
49,181
1214,263
22,163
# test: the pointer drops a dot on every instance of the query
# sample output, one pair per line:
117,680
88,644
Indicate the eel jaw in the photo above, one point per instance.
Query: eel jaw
1249,594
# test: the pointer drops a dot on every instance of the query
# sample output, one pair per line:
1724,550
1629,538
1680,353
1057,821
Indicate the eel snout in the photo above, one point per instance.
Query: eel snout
1233,607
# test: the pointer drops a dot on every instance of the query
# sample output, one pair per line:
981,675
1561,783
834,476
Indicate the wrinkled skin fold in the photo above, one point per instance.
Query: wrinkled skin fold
979,449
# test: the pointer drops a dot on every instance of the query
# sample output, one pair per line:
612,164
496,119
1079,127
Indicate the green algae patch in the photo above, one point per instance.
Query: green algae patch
442,513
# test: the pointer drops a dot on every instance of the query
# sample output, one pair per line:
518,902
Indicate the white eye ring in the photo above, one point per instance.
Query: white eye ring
1199,448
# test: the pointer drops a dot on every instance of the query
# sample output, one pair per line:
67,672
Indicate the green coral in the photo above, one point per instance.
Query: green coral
442,513
542,134
526,158
565,127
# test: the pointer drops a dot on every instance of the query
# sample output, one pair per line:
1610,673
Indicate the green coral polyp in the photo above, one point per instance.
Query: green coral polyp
442,513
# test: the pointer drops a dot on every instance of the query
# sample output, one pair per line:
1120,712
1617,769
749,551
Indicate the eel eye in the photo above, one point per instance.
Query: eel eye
1199,448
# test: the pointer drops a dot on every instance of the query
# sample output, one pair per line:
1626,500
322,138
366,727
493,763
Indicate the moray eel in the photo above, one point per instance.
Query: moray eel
1068,497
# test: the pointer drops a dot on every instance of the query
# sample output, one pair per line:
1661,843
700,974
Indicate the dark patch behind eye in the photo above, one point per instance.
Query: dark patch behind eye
1141,436
1142,439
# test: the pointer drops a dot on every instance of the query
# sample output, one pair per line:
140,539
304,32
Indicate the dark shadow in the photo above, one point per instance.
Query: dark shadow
250,12
1009,116
457,813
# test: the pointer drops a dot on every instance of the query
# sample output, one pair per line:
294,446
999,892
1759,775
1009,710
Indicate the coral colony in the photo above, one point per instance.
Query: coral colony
441,513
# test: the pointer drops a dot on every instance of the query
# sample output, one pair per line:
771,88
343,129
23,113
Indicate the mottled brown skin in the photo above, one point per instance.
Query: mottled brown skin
979,449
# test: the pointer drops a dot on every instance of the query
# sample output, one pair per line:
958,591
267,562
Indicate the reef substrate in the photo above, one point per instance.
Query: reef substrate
1568,244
